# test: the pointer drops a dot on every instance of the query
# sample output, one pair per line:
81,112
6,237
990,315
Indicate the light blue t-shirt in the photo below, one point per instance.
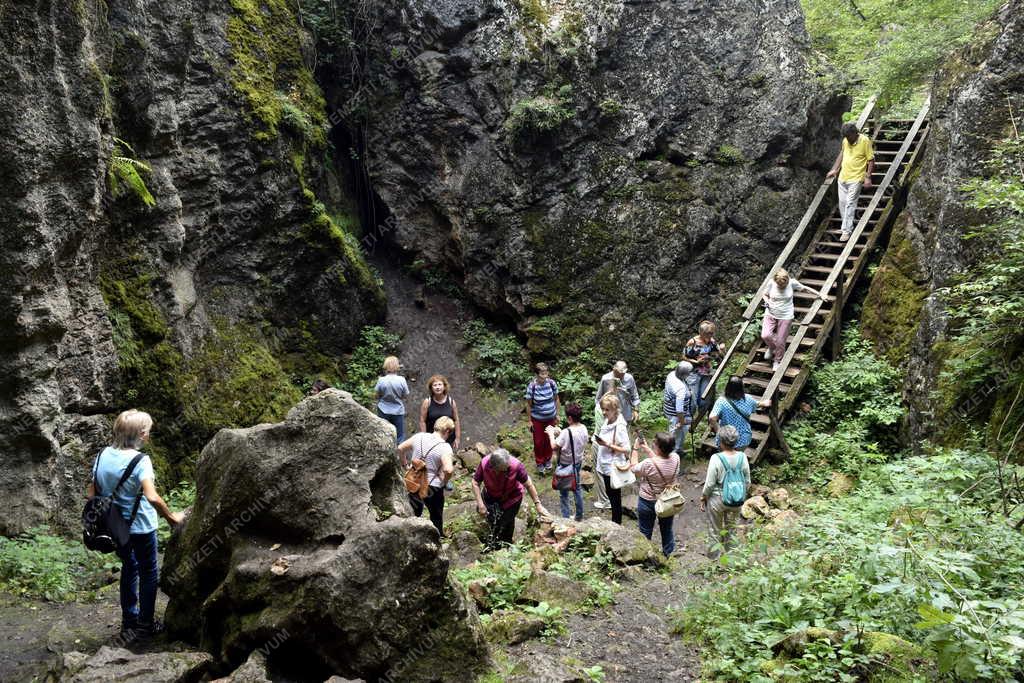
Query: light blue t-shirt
109,467
391,389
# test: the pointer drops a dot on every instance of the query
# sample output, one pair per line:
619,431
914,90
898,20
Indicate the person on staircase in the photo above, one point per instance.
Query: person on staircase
391,391
612,441
734,410
702,351
677,403
778,316
854,166
571,445
498,484
722,518
543,404
433,449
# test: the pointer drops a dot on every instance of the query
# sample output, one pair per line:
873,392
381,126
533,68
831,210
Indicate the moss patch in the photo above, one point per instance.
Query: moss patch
892,309
270,73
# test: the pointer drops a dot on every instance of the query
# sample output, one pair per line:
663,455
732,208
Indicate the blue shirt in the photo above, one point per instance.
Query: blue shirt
108,468
543,397
391,389
727,415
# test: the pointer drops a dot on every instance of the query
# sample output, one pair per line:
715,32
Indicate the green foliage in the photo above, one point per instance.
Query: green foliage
577,379
39,565
509,567
181,497
728,155
610,107
541,114
501,360
585,560
595,673
892,47
986,303
123,173
554,624
365,364
855,406
921,552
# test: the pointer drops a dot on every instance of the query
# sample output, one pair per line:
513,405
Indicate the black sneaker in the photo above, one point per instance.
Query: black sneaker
151,630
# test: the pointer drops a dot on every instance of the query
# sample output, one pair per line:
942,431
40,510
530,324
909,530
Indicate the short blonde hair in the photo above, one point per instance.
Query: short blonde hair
391,364
781,277
609,401
444,425
131,428
706,327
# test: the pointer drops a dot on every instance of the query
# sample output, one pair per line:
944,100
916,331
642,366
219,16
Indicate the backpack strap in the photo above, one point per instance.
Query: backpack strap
725,463
124,477
95,471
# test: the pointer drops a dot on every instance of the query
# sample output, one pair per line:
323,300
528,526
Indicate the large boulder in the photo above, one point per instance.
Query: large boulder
626,544
301,537
557,590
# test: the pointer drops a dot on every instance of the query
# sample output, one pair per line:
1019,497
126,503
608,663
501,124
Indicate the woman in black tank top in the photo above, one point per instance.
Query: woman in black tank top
440,404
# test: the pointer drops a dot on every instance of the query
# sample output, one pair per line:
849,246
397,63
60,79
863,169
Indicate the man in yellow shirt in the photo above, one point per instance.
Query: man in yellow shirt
854,166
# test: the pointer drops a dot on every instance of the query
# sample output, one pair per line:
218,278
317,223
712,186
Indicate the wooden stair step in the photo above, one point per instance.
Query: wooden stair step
841,245
763,383
824,269
833,257
766,369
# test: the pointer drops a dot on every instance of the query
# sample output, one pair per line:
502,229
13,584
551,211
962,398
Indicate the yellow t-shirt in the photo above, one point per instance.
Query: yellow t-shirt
856,158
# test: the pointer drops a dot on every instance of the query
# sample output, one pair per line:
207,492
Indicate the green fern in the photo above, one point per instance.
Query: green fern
123,174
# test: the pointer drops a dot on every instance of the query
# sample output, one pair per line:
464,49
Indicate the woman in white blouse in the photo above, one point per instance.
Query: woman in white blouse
612,440
778,316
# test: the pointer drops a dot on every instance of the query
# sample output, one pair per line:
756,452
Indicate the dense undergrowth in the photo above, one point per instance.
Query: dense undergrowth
38,564
917,574
891,48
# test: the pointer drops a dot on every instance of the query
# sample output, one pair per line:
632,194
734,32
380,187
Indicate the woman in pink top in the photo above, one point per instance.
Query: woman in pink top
654,475
498,485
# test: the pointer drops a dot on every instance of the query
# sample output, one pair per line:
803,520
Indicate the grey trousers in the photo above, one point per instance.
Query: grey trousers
848,195
722,521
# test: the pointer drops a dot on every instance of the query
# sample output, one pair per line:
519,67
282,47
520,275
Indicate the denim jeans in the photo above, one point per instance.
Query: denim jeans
139,574
578,493
697,383
398,421
645,517
680,433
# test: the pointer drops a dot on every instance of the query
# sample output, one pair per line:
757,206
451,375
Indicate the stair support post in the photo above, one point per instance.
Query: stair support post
837,317
776,424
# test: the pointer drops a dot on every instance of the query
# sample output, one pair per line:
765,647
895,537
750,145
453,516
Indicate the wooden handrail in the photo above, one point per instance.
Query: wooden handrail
784,256
840,264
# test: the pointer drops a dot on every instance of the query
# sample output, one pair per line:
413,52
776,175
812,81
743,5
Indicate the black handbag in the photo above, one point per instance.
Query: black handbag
104,528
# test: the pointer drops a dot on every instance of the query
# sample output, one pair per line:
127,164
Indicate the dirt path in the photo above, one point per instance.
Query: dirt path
432,343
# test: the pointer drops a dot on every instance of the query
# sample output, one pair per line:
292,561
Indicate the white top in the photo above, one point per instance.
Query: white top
617,433
432,449
780,301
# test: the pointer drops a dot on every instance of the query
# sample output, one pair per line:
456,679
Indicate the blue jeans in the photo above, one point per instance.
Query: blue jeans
681,431
578,493
398,421
645,517
139,574
697,384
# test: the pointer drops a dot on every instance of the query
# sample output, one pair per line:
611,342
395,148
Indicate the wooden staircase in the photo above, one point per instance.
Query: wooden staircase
827,265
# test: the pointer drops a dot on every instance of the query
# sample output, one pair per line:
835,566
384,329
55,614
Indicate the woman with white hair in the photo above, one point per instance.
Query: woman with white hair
722,519
498,485
778,316
139,503
391,391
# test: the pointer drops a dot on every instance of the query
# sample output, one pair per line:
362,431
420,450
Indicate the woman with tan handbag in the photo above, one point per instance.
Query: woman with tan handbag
432,455
656,475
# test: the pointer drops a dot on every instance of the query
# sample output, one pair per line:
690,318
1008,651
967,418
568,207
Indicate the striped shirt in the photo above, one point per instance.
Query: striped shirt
543,399
654,474
676,397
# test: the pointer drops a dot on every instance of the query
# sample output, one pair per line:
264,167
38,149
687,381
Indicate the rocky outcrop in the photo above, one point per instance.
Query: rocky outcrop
972,97
604,173
120,665
195,289
301,533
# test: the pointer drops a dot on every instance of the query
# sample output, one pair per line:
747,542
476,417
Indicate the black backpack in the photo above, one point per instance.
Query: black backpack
104,528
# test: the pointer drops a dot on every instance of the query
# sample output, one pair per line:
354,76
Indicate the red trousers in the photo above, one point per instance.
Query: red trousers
541,442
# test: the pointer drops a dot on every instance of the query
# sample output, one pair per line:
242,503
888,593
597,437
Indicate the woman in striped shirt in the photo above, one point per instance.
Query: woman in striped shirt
654,475
543,405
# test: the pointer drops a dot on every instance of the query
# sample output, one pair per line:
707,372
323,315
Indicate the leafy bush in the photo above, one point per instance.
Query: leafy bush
40,565
509,567
501,361
729,155
541,114
364,366
892,47
181,497
921,552
124,173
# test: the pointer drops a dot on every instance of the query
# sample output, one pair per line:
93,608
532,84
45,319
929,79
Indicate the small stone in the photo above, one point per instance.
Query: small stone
479,589
419,297
759,490
839,485
754,507
512,627
482,449
779,498
555,589
783,519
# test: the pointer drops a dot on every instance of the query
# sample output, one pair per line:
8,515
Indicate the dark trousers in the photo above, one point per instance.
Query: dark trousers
398,421
614,497
645,516
434,502
502,523
139,574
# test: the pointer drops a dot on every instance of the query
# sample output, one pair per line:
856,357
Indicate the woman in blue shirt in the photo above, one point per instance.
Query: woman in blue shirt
735,409
139,571
391,392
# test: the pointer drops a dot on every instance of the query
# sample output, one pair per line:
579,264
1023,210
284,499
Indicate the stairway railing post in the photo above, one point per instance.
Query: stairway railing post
776,424
837,317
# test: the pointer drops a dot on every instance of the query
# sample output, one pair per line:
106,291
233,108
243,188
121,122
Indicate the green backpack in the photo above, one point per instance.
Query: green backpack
734,488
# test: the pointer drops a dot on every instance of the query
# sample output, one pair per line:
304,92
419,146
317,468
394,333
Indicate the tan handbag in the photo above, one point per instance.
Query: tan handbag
671,500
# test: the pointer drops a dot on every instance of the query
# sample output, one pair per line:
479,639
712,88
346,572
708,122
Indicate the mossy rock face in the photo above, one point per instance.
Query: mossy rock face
892,310
509,627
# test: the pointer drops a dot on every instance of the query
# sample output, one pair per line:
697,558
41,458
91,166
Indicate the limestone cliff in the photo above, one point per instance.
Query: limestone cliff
167,230
604,174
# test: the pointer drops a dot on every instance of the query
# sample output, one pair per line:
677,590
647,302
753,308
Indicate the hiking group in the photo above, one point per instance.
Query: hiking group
123,503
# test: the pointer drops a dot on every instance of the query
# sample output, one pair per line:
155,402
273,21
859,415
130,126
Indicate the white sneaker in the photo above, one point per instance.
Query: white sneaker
601,506
768,354
776,365
845,237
